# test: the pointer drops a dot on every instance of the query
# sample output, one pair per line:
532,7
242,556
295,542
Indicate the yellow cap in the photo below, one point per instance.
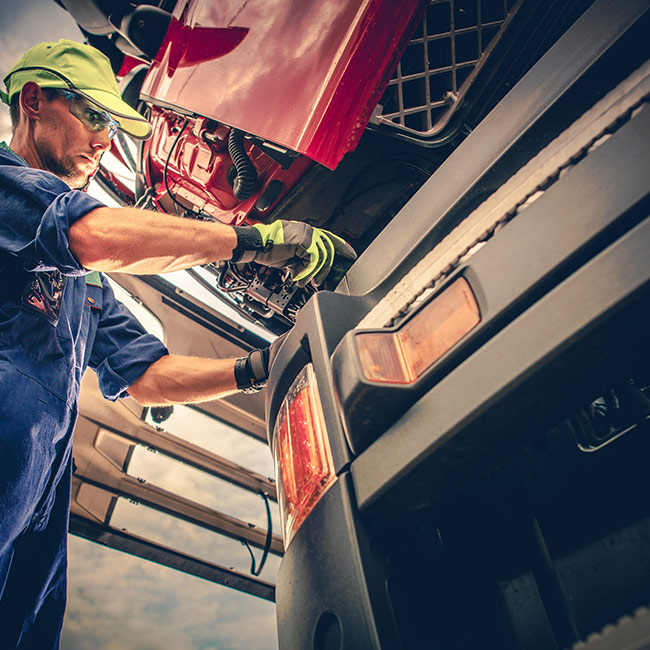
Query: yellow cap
81,68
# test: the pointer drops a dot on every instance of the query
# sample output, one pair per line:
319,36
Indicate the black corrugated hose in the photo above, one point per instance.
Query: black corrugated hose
246,179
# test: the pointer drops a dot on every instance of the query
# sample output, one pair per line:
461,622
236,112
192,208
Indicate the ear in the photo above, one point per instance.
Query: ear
31,100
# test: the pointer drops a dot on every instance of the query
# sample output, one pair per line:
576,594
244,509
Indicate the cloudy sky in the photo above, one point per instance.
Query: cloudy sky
119,602
24,24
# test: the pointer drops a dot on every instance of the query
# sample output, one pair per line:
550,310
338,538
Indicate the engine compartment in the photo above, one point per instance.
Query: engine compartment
456,65
190,173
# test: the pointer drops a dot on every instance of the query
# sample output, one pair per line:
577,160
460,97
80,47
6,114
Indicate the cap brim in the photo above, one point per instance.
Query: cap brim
131,122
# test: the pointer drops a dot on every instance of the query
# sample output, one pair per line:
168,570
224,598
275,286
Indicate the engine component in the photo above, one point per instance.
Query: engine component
244,182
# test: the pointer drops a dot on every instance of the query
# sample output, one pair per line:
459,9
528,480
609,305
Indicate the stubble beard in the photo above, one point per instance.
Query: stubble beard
65,168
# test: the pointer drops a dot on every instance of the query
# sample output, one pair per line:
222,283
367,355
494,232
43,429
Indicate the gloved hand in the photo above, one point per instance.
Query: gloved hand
252,371
307,252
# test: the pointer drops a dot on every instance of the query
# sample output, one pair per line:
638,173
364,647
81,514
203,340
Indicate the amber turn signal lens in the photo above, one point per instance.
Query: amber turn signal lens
304,467
402,356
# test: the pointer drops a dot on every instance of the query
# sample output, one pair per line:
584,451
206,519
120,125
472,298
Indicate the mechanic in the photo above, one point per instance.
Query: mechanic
58,315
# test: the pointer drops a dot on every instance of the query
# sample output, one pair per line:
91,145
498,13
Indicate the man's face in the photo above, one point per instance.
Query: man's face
65,145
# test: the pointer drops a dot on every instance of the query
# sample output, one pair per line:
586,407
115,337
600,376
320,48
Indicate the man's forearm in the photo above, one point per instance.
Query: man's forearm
146,242
176,379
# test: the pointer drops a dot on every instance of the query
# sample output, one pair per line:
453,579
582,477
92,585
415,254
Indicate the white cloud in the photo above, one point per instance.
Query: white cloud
209,433
117,601
25,24
190,538
30,22
199,486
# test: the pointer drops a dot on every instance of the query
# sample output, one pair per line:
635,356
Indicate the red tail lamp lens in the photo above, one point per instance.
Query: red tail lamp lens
402,356
303,458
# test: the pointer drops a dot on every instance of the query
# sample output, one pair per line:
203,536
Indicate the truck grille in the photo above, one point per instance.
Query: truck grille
440,63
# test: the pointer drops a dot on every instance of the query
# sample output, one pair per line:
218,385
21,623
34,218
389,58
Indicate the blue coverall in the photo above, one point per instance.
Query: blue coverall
55,320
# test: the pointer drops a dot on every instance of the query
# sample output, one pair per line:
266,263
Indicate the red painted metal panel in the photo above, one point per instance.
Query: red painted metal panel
305,74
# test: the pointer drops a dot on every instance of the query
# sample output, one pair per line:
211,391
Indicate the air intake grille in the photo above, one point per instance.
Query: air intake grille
440,64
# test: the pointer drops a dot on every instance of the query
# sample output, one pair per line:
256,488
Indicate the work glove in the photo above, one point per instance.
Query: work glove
306,251
252,371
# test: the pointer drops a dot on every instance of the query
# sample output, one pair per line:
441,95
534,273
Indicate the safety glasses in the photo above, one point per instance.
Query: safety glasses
82,108
93,119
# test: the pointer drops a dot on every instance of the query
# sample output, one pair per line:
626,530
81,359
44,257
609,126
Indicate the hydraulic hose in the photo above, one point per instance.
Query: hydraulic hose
246,179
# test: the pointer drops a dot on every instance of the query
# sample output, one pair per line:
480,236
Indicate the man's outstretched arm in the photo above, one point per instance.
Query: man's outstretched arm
145,242
137,241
